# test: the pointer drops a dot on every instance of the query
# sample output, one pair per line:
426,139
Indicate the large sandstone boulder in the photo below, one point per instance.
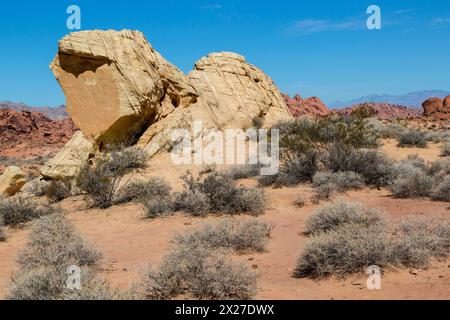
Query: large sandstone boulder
11,181
231,93
115,83
70,159
118,87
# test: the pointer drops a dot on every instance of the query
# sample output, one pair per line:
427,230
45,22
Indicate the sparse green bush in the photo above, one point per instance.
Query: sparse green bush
200,272
222,194
139,191
346,249
373,166
342,181
240,235
412,138
416,184
19,210
59,190
298,168
332,215
420,239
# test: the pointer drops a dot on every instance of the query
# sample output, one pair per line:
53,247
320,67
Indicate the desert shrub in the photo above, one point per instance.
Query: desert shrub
363,111
299,202
156,207
341,181
37,187
420,239
59,190
294,170
412,138
333,215
323,192
249,200
49,283
125,159
2,234
445,149
222,195
240,235
417,184
442,190
439,168
244,171
200,272
346,249
53,242
52,247
258,122
408,166
387,131
155,187
101,183
193,201
18,210
299,135
373,166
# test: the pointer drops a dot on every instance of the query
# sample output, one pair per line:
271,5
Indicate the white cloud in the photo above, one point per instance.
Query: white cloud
211,6
311,26
440,22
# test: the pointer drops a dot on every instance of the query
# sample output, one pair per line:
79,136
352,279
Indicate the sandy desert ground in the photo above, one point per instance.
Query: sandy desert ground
129,242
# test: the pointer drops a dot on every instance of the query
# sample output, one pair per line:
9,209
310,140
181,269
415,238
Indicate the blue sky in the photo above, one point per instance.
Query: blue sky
319,47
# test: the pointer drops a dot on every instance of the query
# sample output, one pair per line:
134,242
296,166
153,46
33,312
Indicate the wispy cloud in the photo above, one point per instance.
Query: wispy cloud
440,22
311,26
211,7
404,11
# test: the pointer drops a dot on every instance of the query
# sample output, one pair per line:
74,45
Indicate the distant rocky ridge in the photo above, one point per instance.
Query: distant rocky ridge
56,113
411,99
32,127
386,111
309,106
315,107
